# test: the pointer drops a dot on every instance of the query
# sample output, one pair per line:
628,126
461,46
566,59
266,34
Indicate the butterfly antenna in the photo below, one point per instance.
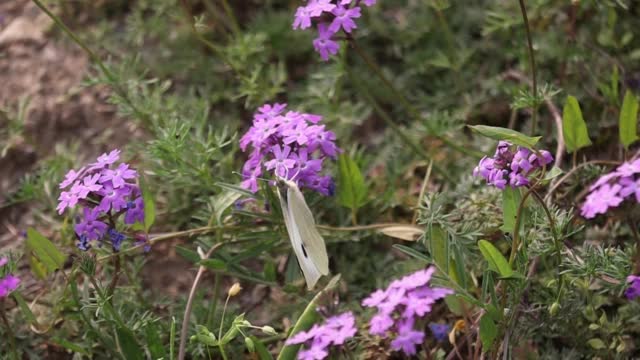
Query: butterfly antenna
244,176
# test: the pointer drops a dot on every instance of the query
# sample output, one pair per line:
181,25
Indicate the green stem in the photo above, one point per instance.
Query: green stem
12,338
232,16
95,59
532,60
211,313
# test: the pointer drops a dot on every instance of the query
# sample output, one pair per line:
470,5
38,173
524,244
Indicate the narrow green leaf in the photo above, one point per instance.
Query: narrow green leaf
628,125
488,331
512,136
510,201
188,254
439,246
222,202
129,348
172,339
574,128
214,264
24,308
352,191
496,260
70,346
44,251
237,189
306,320
413,252
149,206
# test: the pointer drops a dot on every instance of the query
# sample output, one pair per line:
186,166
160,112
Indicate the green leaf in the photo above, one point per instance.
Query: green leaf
628,125
237,189
70,346
596,344
574,128
438,246
307,319
172,338
496,260
222,202
512,136
44,252
352,191
488,331
553,173
263,352
510,201
413,252
149,206
129,348
154,342
214,264
24,308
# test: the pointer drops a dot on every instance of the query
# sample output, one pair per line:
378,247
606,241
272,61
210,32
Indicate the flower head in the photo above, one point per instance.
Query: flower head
399,306
511,165
8,283
612,189
289,145
335,331
633,291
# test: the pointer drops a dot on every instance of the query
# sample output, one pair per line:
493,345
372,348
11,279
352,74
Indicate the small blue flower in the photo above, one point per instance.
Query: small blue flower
440,331
83,243
116,239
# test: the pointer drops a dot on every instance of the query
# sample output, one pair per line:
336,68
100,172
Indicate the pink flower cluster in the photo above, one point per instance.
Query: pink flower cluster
105,191
8,283
511,165
318,340
399,306
612,189
331,17
290,144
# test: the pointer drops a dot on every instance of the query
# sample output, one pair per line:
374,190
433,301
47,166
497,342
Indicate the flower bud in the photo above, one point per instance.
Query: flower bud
234,289
269,330
553,309
250,345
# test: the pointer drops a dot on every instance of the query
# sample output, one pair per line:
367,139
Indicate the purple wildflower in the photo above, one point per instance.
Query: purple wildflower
110,191
511,165
335,331
399,306
600,200
288,145
611,189
440,331
344,19
91,226
9,282
633,291
323,43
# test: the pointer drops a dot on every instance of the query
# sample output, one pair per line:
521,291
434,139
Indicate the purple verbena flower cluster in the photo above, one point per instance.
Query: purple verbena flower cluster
633,291
511,165
8,283
330,17
612,189
291,145
104,190
318,340
399,306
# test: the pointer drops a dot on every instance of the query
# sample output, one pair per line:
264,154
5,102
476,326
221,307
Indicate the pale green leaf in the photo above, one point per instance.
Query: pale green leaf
512,136
352,191
44,251
574,128
488,331
628,125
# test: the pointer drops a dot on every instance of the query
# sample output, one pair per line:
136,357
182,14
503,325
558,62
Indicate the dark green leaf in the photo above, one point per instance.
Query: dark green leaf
24,308
628,125
512,136
488,331
496,260
438,246
352,191
154,342
129,348
70,346
510,201
214,264
262,350
574,128
188,254
44,251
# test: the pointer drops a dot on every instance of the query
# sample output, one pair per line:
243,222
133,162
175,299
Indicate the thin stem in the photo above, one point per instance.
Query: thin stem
211,313
231,15
224,310
95,59
12,338
187,312
116,275
532,60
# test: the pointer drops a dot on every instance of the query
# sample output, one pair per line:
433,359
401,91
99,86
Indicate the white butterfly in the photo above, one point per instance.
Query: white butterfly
307,243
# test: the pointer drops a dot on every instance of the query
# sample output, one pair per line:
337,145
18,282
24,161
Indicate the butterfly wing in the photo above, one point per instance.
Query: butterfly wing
311,238
309,269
